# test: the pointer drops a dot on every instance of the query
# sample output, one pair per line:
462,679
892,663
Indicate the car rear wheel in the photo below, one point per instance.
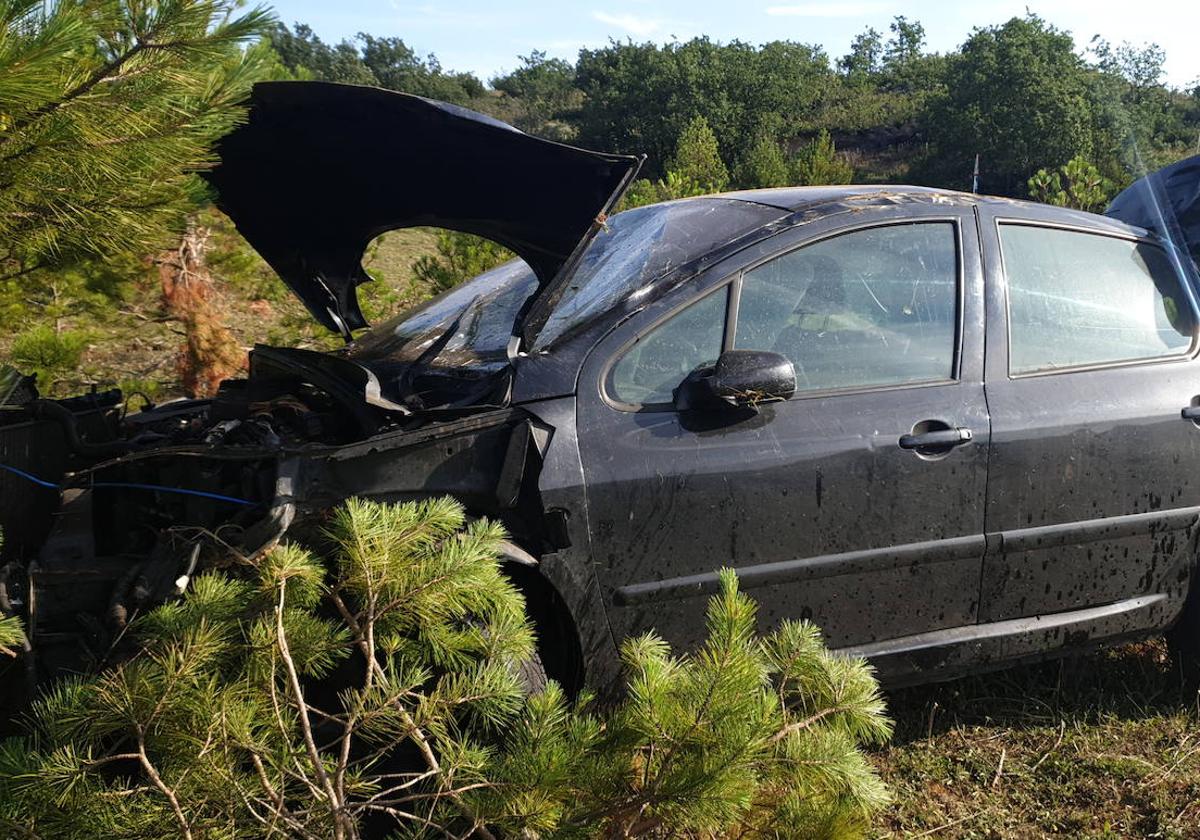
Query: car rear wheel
1183,639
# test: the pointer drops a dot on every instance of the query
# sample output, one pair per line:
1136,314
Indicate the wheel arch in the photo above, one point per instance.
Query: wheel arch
558,640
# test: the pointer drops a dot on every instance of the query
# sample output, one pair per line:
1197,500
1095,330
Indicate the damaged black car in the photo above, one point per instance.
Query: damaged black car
952,431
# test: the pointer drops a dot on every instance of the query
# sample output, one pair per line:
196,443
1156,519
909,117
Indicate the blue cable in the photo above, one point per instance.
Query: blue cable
29,477
204,494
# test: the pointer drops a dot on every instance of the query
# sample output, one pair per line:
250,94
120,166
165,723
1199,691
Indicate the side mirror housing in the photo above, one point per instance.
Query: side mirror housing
739,379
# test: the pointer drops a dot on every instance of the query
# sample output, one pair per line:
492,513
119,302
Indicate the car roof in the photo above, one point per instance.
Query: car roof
799,198
830,199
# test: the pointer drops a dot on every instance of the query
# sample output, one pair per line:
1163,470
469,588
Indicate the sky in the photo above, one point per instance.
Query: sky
486,37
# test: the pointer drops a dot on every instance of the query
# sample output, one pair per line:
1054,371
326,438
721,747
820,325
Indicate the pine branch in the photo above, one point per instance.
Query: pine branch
152,772
314,755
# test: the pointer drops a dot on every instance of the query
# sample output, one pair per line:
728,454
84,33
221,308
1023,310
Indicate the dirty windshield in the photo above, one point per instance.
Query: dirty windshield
635,248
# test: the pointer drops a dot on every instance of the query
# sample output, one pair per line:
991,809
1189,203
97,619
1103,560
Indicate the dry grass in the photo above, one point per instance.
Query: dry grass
137,344
1103,746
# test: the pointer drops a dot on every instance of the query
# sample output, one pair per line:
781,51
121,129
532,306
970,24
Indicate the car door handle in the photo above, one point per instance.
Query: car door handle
941,439
1191,412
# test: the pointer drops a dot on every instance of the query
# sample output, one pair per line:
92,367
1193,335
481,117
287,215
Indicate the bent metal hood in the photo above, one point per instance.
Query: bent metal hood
319,169
1167,202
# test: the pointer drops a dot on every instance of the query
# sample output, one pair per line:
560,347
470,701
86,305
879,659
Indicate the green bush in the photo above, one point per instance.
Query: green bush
51,355
460,257
1078,183
764,164
226,722
818,164
697,158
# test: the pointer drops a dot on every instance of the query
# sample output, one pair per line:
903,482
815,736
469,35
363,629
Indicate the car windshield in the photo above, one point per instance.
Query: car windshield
640,246
635,248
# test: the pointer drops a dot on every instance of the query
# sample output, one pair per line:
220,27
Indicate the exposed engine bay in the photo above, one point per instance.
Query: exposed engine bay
110,510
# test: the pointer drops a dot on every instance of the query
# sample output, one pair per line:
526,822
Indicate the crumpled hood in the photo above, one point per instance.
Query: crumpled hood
320,169
1167,202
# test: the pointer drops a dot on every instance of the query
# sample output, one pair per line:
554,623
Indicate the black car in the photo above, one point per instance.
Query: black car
953,431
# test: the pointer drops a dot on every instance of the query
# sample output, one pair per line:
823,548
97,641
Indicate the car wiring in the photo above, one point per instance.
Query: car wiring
129,485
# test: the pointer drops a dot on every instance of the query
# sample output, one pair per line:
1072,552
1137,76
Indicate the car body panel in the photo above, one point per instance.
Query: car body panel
1092,490
1166,201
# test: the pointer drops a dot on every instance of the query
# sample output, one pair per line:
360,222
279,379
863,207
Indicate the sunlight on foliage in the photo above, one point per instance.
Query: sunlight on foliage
309,697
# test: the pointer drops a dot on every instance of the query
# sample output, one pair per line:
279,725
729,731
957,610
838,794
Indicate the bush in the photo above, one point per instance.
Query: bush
764,165
460,257
291,700
818,164
49,354
1077,184
698,158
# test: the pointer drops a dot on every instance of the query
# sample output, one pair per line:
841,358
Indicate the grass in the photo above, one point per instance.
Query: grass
132,343
1101,746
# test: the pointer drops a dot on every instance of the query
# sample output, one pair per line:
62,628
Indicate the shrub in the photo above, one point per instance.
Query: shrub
49,354
210,353
227,722
460,256
764,164
818,163
698,157
1078,184
643,191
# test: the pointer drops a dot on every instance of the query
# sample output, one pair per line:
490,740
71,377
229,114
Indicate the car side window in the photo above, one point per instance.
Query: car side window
650,370
869,308
1079,299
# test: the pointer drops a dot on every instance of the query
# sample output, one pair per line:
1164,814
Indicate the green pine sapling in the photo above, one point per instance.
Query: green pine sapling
378,690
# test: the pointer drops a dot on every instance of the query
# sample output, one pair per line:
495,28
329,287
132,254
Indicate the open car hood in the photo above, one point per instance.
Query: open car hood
1167,202
319,169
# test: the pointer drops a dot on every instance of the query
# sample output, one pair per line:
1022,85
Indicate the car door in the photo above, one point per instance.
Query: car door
812,500
1093,494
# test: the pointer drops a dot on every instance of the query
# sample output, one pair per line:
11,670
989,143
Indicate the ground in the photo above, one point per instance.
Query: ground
1100,746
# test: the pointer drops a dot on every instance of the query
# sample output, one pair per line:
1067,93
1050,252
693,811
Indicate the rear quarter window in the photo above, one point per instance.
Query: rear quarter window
1078,299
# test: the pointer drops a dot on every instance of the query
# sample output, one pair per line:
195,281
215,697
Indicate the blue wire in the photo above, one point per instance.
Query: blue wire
29,477
133,486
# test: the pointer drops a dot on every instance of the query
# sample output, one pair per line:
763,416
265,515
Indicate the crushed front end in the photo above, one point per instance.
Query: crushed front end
109,511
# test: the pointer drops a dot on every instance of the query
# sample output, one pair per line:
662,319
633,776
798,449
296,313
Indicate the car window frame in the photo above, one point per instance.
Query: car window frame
607,393
1184,282
733,282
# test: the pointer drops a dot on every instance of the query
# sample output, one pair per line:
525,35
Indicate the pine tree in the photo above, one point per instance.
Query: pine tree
697,158
818,163
460,256
104,107
299,697
764,164
747,737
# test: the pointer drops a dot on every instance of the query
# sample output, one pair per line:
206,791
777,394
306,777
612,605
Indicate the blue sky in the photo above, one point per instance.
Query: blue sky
486,37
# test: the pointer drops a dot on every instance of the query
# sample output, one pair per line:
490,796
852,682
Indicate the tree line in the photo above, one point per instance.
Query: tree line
1021,95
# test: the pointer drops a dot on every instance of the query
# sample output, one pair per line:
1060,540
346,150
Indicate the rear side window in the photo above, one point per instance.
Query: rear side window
1078,299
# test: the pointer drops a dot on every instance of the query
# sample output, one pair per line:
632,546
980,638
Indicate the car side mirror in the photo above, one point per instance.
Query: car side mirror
739,379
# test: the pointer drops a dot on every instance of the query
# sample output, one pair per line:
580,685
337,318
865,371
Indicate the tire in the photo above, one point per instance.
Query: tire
532,674
1183,640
